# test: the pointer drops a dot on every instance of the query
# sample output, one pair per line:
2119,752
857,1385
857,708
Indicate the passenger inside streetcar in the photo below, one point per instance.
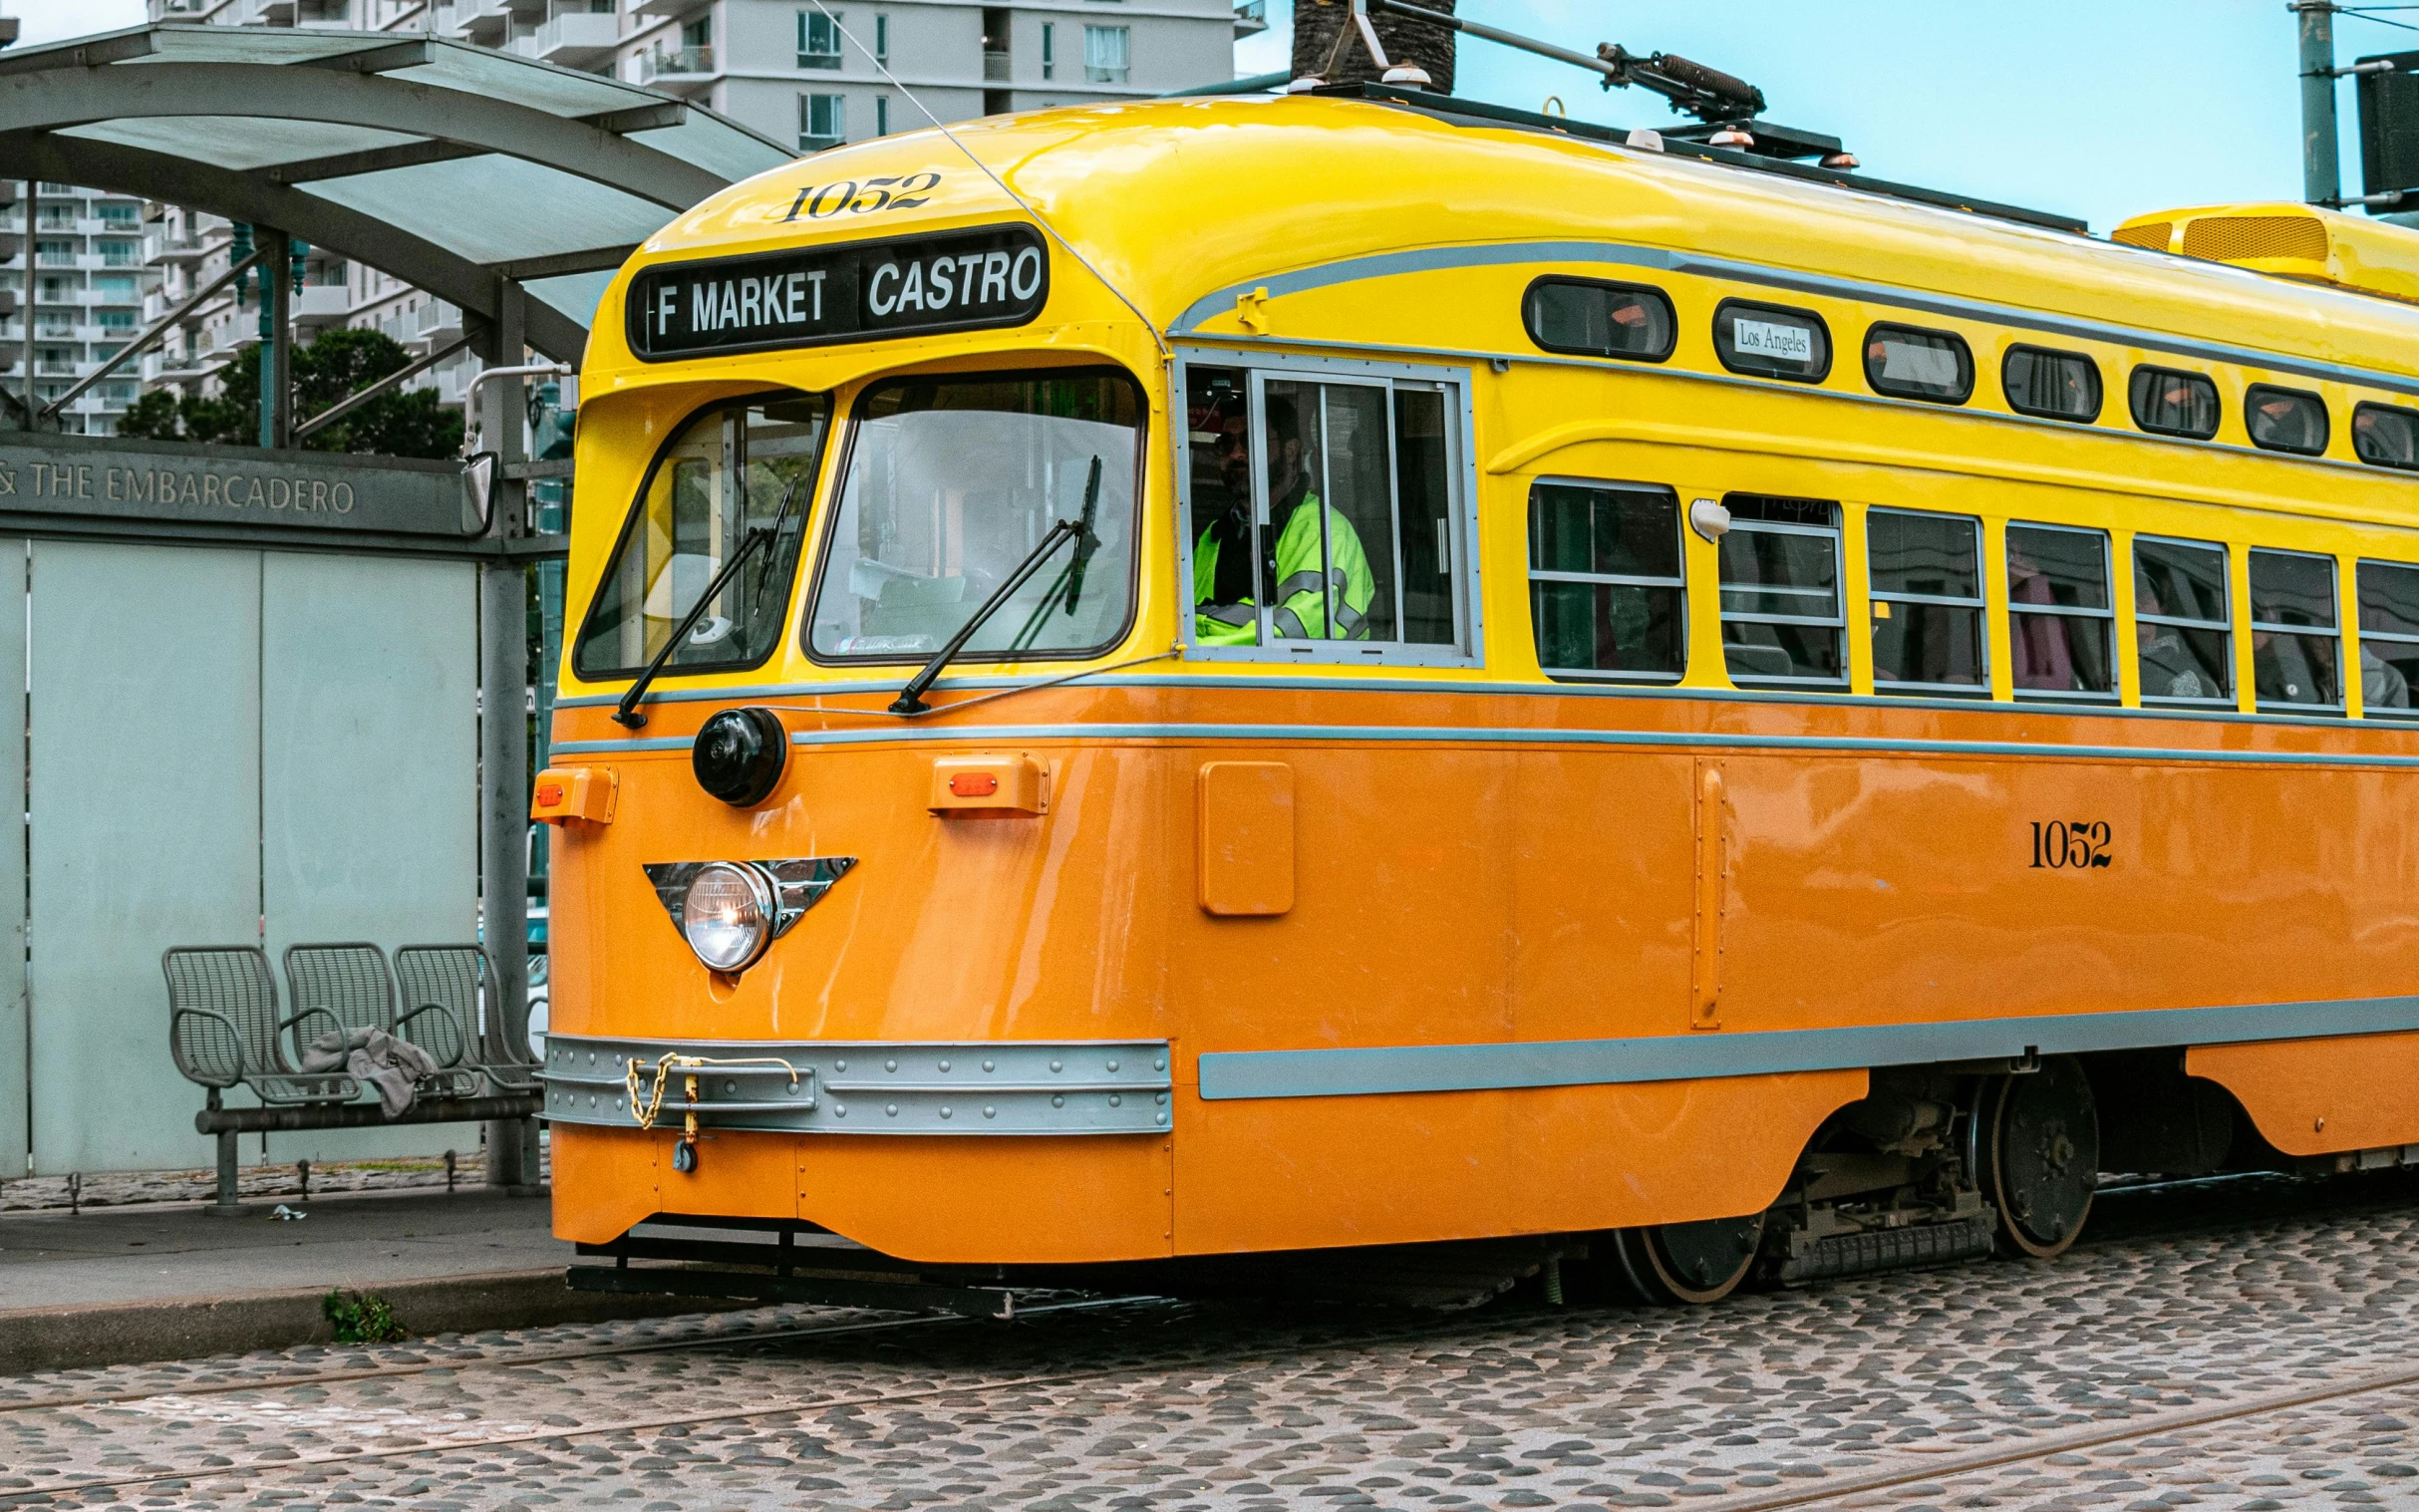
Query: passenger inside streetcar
1316,564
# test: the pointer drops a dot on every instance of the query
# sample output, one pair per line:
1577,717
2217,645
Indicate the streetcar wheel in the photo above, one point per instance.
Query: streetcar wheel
1689,1263
2041,1160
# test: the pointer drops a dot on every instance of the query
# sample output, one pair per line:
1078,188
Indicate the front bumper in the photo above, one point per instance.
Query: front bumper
831,1087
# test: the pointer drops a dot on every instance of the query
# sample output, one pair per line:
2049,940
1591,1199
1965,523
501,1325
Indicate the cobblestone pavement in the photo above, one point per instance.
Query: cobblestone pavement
2266,1362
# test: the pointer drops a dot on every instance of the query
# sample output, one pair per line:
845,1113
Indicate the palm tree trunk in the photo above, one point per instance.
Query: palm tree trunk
1321,25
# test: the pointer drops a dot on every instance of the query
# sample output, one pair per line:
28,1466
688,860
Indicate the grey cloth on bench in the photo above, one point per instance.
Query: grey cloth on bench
373,1055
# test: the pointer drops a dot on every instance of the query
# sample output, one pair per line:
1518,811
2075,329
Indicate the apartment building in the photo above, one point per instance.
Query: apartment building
786,68
89,284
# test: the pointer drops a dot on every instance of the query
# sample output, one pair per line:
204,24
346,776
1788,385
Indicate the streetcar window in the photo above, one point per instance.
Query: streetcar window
1771,341
2053,384
1606,591
1780,590
2285,419
952,484
1321,517
2389,636
2295,660
2061,625
1909,363
1587,317
2386,435
2169,403
725,475
1927,590
2180,621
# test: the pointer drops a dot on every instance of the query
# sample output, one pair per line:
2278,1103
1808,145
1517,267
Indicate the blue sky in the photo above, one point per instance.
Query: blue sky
2101,109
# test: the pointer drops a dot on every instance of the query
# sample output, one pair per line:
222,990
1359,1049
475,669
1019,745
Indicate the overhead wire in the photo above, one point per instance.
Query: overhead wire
1166,354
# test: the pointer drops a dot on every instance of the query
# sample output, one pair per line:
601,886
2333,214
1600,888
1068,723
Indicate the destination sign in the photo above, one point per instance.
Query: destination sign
958,281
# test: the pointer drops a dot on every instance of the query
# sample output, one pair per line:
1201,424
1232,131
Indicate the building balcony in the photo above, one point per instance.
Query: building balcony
577,40
673,66
660,10
435,321
481,21
996,66
264,12
1251,18
322,304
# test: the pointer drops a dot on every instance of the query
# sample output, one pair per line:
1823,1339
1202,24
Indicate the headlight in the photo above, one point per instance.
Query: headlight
727,915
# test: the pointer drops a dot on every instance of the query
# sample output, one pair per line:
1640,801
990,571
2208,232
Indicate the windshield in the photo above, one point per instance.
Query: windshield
724,474
952,482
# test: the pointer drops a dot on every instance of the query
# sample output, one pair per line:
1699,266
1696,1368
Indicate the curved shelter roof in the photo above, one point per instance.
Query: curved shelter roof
457,168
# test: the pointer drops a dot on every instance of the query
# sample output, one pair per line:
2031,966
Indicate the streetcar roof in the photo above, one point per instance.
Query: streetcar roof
1181,202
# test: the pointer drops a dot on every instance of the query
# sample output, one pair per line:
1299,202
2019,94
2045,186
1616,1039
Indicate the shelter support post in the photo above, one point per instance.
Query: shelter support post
276,338
27,305
2321,176
504,724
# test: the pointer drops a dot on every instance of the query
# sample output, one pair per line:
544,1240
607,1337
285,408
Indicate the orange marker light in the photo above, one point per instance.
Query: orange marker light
549,794
974,785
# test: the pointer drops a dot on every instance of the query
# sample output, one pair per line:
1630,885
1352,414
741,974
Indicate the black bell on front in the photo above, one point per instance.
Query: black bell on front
739,754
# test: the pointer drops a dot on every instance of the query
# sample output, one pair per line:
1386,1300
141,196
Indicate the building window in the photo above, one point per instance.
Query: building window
2180,604
818,39
2169,403
1927,589
1780,590
822,121
2389,636
2051,385
881,114
1607,596
2061,624
120,254
1108,54
881,38
55,251
1050,49
2295,660
117,322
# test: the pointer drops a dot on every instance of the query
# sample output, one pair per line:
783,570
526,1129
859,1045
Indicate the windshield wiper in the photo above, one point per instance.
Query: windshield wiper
911,697
625,714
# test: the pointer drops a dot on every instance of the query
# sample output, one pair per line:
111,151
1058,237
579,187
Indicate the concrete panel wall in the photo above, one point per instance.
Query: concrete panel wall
229,747
15,1109
368,774
146,757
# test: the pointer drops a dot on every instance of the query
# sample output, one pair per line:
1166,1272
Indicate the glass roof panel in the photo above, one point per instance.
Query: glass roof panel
239,142
524,80
575,294
495,209
717,146
249,44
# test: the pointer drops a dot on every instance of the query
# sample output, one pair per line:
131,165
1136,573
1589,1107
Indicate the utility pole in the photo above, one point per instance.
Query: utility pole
277,339
2321,174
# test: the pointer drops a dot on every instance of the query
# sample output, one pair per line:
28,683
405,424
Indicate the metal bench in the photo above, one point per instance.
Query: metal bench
348,987
461,980
225,1030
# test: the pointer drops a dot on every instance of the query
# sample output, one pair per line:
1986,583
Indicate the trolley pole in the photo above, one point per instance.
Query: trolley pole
2321,174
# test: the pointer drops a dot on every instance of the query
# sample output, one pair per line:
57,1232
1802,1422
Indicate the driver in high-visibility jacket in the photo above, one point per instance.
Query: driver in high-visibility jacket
1226,603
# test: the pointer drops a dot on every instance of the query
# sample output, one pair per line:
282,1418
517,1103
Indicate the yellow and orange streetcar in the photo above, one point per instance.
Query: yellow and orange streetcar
1214,677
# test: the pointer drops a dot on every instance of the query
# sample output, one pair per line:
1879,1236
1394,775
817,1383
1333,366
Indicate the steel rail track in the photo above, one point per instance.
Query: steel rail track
1948,1465
1831,1489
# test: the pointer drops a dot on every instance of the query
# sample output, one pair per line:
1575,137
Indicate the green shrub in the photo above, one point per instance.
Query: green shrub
362,1318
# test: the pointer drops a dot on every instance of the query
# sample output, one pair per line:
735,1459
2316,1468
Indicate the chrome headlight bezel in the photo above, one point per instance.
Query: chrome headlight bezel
754,931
